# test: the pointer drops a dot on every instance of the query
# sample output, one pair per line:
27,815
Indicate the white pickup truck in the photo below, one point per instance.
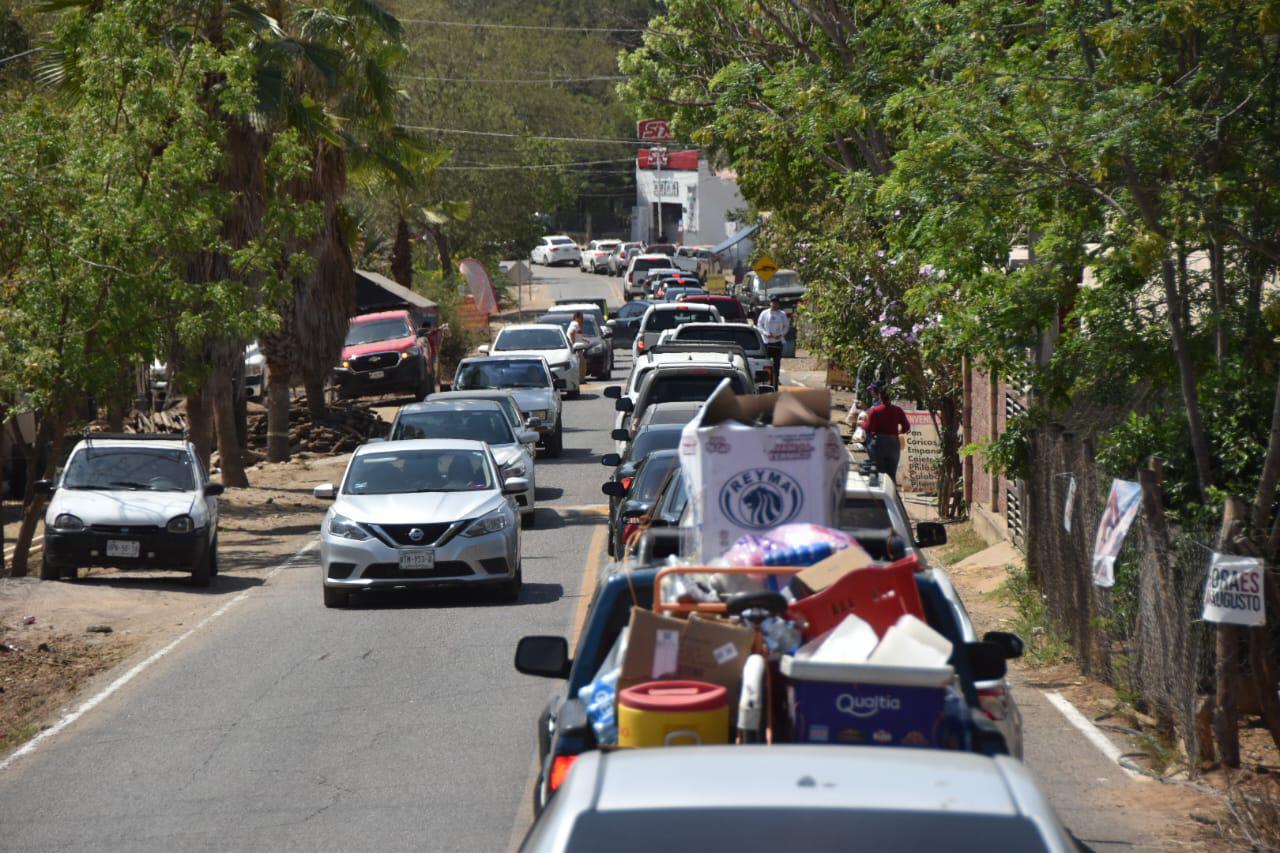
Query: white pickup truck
693,259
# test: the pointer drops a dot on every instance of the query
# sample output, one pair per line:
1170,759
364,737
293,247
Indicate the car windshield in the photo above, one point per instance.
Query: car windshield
650,476
151,469
589,327
369,331
489,426
472,375
864,514
748,339
518,339
785,278
689,829
674,499
683,388
393,472
649,440
660,321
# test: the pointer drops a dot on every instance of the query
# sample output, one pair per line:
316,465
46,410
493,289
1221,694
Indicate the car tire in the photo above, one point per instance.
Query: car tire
509,591
200,570
528,520
335,597
213,558
555,444
424,388
48,571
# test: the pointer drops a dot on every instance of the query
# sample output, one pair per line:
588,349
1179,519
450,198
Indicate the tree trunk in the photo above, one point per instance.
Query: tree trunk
1265,678
316,407
442,249
1157,528
277,415
200,423
1187,377
1226,725
950,495
221,389
402,255
50,433
115,417
1221,301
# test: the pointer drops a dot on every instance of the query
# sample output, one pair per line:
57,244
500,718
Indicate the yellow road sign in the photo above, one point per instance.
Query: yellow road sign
765,268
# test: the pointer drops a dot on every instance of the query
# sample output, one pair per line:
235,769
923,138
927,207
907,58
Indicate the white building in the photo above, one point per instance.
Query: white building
683,201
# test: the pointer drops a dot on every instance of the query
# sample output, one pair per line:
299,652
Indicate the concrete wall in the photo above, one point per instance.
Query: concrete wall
706,199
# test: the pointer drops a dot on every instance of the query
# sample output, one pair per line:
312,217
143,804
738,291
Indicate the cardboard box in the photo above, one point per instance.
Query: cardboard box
747,478
660,647
823,574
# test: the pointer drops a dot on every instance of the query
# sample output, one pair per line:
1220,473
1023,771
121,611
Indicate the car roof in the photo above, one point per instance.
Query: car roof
875,778
576,306
857,483
523,326
455,405
652,256
422,444
678,406
175,443
680,306
500,357
379,315
471,394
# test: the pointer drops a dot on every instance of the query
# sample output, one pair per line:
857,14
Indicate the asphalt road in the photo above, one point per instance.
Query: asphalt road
554,283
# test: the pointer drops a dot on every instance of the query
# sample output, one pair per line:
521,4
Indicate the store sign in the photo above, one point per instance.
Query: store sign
918,466
1233,591
661,158
653,130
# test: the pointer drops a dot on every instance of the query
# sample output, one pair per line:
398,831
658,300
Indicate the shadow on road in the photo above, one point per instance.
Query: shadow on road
450,597
550,519
172,582
577,456
549,493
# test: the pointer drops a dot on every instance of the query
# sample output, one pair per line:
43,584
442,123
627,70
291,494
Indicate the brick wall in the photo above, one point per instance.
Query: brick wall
984,420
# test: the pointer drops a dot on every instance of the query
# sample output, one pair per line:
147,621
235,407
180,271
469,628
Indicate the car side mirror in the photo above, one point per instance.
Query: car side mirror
620,434
514,485
377,440
483,349
611,324
580,347
607,331
560,384
613,489
212,490
624,404
45,487
930,534
546,657
986,660
766,389
327,492
613,392
533,422
633,510
527,436
1011,643
611,460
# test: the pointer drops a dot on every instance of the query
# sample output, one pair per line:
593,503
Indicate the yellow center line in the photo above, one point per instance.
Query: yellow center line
595,551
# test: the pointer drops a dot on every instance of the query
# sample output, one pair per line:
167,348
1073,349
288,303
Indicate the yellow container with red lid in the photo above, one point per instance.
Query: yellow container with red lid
673,713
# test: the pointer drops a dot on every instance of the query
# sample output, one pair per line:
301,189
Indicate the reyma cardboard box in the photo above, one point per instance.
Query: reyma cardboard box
756,462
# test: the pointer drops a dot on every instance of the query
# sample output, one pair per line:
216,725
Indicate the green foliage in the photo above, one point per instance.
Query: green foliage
1044,642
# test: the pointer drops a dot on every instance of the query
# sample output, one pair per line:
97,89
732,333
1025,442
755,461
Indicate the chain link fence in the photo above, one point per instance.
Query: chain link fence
1144,635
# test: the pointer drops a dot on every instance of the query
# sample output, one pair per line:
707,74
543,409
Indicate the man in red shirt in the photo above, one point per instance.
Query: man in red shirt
885,424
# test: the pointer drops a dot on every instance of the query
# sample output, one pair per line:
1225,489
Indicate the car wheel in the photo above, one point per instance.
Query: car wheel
527,520
424,388
200,570
509,591
335,597
555,444
48,571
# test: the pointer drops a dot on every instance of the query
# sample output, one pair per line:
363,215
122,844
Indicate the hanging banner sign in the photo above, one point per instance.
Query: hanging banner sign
1233,591
1071,499
1122,508
653,130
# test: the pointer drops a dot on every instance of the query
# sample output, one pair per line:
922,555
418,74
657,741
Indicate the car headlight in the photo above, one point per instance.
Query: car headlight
68,522
346,364
486,524
411,352
515,469
340,525
180,524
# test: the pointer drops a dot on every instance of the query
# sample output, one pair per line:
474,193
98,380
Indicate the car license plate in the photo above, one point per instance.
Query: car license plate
123,548
421,559
377,374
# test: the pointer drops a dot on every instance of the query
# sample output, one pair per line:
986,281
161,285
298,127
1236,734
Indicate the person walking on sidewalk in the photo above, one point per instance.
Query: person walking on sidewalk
774,324
886,424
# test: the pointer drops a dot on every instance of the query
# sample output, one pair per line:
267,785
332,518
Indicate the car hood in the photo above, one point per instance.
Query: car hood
121,507
553,356
417,508
532,400
791,291
394,345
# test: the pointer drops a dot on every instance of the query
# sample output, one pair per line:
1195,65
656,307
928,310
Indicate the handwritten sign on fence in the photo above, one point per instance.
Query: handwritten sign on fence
918,467
1233,592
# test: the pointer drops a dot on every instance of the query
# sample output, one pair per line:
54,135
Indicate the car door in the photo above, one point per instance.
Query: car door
202,479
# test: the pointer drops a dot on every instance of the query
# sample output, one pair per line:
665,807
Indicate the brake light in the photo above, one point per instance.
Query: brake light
992,700
559,769
626,482
629,530
640,345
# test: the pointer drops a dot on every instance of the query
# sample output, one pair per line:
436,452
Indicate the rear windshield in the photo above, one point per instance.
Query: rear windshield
393,328
730,309
674,293
518,339
561,241
646,264
650,476
491,426
864,514
748,339
683,388
649,440
660,321
474,375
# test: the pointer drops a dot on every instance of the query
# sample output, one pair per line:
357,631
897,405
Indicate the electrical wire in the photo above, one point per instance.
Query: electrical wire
536,27
500,135
487,167
530,80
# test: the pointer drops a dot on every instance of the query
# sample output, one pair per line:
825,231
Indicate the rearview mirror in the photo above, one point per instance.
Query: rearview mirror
547,657
527,436
327,492
607,331
44,487
560,384
613,392
1011,643
620,434
212,490
986,660
613,489
580,347
533,423
611,460
623,404
514,485
930,534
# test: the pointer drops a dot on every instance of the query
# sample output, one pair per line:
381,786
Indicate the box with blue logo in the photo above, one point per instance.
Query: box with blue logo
756,462
867,704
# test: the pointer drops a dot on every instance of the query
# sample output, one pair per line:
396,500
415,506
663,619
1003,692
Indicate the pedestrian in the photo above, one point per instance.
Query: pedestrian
774,324
886,424
574,333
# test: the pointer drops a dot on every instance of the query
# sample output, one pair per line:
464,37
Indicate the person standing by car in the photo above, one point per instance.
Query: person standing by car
774,324
574,334
886,424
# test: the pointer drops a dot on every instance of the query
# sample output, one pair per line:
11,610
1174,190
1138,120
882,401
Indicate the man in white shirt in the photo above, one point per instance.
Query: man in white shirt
574,334
774,324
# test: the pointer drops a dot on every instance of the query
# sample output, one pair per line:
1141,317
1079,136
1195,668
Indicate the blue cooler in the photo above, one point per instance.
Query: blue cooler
864,704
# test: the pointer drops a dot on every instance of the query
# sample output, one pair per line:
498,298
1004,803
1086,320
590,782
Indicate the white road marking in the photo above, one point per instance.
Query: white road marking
1091,733
115,686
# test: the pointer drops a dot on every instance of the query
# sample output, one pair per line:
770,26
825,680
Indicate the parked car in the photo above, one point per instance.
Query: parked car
631,497
595,258
421,513
599,351
755,294
739,334
131,502
384,354
478,420
621,255
644,442
691,382
599,305
255,372
545,340
730,309
638,268
693,259
662,316
625,322
530,381
673,292
660,278
667,249
518,418
554,250
818,798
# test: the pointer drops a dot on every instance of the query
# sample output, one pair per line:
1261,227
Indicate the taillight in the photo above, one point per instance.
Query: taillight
559,769
640,345
993,702
626,482
628,530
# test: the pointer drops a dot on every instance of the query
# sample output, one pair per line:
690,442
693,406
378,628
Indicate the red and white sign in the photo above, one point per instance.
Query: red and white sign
653,130
681,161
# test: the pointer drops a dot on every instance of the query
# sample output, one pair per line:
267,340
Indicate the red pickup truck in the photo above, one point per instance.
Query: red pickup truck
388,353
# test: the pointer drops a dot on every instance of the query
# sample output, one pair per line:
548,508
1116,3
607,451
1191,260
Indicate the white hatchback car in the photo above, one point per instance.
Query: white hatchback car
595,258
546,340
426,512
556,250
132,502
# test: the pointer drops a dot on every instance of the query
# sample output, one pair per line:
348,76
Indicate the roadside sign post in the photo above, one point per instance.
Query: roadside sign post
765,268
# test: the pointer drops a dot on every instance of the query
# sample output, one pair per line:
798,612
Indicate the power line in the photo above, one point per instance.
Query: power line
497,134
536,27
486,167
530,80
